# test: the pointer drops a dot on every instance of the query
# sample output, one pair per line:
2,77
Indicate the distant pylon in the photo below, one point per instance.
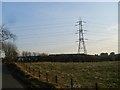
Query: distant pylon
81,38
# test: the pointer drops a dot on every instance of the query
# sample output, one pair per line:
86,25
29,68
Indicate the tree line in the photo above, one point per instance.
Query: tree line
27,53
70,58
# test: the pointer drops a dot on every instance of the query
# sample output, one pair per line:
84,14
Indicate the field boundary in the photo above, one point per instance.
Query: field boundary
32,72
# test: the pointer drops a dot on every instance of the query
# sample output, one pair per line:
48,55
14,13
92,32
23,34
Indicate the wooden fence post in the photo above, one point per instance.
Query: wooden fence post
26,67
56,79
29,69
39,74
96,86
33,71
71,82
46,77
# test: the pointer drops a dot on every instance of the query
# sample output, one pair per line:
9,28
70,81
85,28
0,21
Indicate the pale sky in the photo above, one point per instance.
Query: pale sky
119,27
49,27
0,13
60,0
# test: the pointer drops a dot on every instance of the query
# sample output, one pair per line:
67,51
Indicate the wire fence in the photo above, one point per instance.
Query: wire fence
55,79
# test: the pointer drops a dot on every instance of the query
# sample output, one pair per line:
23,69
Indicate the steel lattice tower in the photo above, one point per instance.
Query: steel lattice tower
81,45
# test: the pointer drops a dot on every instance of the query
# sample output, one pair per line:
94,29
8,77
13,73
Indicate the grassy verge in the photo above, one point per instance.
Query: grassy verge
27,79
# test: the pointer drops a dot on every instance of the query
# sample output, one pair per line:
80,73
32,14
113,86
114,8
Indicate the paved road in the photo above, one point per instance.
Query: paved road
8,81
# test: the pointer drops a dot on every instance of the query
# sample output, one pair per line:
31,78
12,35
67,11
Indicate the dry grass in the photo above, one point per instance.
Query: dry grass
84,74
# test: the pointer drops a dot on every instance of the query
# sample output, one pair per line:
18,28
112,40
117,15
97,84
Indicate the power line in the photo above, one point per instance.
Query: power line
54,24
64,32
41,25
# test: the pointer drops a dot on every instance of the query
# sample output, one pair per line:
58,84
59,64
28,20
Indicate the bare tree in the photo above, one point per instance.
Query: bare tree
9,49
5,34
23,53
34,54
11,52
26,53
29,53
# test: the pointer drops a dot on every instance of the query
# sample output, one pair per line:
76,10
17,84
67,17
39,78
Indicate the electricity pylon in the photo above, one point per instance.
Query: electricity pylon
81,38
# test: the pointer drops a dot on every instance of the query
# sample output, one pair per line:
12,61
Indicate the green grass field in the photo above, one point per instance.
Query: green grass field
84,74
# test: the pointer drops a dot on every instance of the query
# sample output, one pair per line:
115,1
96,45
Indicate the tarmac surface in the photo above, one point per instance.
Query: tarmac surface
8,81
